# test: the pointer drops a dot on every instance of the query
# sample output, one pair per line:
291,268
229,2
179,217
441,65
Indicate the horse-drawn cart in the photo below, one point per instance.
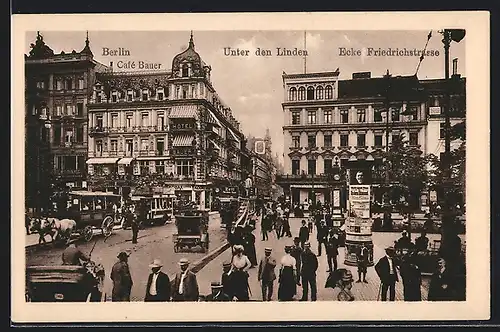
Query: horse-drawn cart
65,283
91,211
192,230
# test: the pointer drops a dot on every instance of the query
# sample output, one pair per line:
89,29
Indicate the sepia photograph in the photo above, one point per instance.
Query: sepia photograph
242,165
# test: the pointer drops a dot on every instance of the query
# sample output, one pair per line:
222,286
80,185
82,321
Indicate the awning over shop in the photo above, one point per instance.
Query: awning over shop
94,161
184,111
125,161
183,140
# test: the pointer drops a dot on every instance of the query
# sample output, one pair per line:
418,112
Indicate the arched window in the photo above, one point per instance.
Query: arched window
310,93
302,93
185,70
319,92
328,92
293,94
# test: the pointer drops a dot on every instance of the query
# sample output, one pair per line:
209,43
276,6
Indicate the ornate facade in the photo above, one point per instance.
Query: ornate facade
166,131
58,87
329,121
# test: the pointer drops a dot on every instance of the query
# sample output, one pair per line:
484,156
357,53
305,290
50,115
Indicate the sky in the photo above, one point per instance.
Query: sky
252,85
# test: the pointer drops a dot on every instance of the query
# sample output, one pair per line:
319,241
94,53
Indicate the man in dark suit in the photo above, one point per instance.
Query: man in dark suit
267,275
442,285
217,294
303,234
185,284
387,272
226,280
308,273
296,252
321,236
158,286
122,280
332,250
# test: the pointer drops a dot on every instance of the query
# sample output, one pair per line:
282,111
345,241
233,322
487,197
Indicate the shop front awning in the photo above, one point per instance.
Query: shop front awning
211,119
183,140
96,161
125,161
184,111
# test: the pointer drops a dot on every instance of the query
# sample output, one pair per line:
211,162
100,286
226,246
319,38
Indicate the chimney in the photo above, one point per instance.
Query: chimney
455,73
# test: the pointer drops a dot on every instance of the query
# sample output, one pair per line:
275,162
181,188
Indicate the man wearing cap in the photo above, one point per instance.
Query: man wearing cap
185,284
158,286
122,280
73,256
267,275
309,268
217,294
386,271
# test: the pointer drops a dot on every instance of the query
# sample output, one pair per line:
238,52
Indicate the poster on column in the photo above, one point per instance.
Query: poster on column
359,201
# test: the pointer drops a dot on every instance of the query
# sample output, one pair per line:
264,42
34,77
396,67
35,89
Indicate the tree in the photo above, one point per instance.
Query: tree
404,171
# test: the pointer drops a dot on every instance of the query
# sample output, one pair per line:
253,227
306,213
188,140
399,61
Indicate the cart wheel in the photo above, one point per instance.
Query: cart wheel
88,233
107,226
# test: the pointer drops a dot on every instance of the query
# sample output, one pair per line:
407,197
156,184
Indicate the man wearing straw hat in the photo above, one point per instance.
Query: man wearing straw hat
387,272
122,280
158,286
267,275
185,284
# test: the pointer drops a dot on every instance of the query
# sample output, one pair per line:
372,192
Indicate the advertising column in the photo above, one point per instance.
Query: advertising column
358,223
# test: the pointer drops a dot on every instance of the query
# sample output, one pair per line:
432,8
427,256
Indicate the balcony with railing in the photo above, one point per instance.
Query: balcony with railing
304,178
97,131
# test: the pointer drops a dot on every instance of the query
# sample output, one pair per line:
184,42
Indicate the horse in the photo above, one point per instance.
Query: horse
56,228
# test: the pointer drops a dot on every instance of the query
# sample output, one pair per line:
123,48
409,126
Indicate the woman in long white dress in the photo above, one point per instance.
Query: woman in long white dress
239,270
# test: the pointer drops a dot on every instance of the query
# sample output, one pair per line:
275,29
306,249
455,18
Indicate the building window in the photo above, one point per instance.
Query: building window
129,147
414,113
311,117
130,95
185,70
145,119
327,141
69,163
394,138
311,166
413,139
361,140
302,93
361,116
185,91
310,93
114,120
70,109
79,109
98,97
144,145
442,130
328,116
377,116
160,146
59,84
295,117
184,167
98,148
378,140
292,95
99,122
319,92
160,121
327,165
344,140
145,95
160,166
296,141
160,95
81,84
68,84
144,167
58,110
344,116
328,92
130,121
79,134
311,141
40,85
295,167
395,115
114,97
114,145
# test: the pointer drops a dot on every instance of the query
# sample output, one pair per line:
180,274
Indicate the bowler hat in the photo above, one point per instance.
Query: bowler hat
123,254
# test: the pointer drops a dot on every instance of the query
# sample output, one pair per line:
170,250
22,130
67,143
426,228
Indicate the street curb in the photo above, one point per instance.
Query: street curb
201,263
